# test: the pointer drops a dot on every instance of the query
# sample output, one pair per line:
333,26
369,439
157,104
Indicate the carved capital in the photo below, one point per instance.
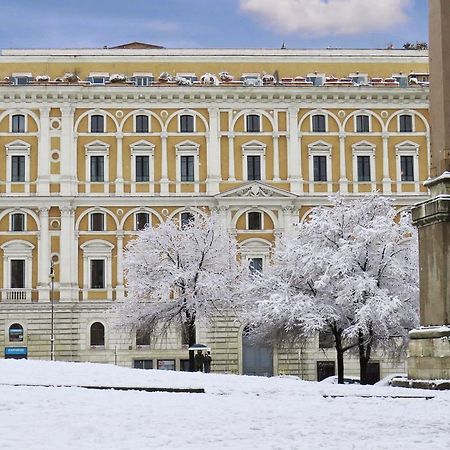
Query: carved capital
66,211
43,211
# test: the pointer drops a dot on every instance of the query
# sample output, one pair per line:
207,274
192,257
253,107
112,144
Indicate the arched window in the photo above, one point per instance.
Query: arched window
97,335
16,333
18,123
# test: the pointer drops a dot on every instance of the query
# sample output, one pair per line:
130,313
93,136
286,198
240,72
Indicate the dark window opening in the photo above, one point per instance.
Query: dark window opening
97,123
18,222
363,168
253,123
325,369
254,220
320,168
255,265
326,339
318,123
97,169
97,222
142,337
142,169
141,124
143,364
186,218
18,168
142,220
406,123
186,124
362,124
16,333
97,273
17,273
18,123
97,334
407,167
187,168
253,167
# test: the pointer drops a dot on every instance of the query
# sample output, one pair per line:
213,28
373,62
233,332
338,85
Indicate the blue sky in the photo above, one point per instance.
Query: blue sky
213,23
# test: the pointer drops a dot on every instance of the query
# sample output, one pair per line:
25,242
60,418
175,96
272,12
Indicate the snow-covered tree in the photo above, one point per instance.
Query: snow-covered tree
180,273
350,269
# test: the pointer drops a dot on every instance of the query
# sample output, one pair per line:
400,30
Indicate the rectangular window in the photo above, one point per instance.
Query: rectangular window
326,339
166,364
97,124
143,364
97,222
186,218
142,220
142,81
186,123
406,123
184,365
142,338
255,265
97,169
18,123
363,168
253,167
142,168
18,222
407,167
97,273
18,168
19,81
320,168
325,369
362,124
18,273
254,220
373,372
187,168
253,123
141,124
97,80
318,123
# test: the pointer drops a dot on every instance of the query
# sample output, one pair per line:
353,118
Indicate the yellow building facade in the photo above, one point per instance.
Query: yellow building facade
96,143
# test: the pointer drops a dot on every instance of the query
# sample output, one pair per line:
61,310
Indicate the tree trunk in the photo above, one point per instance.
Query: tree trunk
364,357
192,339
340,355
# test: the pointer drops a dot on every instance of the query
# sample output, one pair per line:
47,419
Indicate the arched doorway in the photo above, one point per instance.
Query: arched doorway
257,359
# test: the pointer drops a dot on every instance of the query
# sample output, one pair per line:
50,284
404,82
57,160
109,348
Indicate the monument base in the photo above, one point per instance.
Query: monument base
428,359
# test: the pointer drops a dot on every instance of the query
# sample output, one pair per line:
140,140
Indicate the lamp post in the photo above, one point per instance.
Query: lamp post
52,329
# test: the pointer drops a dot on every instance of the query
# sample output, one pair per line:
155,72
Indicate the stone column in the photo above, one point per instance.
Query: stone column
213,153
119,164
429,347
343,180
294,153
68,254
386,178
43,177
68,170
231,167
276,156
164,182
120,290
43,255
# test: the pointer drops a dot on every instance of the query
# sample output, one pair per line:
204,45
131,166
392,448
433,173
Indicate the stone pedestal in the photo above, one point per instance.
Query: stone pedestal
429,354
429,346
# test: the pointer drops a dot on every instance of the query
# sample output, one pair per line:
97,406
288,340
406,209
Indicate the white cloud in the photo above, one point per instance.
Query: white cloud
327,17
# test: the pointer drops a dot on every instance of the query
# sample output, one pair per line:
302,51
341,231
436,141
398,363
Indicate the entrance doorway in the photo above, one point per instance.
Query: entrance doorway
257,359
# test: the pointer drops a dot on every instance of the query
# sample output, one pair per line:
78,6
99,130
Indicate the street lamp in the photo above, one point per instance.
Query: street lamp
52,328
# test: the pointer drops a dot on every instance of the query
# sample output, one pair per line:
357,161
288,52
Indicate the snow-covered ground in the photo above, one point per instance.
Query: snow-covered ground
236,412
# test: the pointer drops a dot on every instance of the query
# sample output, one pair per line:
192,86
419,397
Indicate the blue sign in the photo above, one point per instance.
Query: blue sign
16,351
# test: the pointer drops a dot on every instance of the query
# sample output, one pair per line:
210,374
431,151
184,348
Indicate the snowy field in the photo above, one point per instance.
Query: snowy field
237,412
